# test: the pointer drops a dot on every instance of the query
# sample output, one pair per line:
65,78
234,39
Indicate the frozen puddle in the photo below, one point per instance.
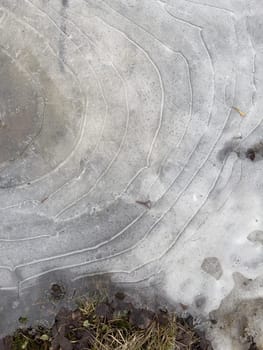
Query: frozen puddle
131,145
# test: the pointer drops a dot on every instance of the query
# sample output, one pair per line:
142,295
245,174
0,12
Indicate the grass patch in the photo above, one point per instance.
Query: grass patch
104,325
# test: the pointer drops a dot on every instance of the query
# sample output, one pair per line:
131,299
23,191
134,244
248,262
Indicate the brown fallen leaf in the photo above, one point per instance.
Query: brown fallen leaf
141,318
60,342
76,315
162,317
103,311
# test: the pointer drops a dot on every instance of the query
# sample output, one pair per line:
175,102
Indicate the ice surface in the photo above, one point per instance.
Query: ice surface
130,145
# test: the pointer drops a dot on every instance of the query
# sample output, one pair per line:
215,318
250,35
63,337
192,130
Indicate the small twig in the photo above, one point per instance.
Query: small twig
44,199
147,204
242,114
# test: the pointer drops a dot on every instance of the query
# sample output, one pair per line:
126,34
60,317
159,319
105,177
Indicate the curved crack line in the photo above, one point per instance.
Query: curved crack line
225,201
84,99
141,280
8,288
252,131
101,273
2,240
115,156
254,63
8,268
163,163
233,190
212,6
119,272
180,141
213,70
195,26
3,17
20,204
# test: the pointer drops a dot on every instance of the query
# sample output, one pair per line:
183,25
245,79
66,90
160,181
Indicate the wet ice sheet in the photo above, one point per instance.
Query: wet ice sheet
130,143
